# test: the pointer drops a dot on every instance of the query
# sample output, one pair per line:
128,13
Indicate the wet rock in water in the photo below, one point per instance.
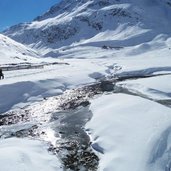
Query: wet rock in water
13,118
30,132
96,75
76,156
66,129
65,125
74,147
85,103
107,86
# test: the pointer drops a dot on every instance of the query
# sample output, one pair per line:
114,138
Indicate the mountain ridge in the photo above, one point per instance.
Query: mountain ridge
74,22
10,49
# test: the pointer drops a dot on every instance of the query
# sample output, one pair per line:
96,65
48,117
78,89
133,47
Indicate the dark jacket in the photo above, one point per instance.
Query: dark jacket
1,74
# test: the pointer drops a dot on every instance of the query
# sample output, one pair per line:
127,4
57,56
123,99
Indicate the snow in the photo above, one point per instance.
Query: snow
157,88
11,50
160,83
127,128
22,87
125,23
130,130
124,128
26,155
86,64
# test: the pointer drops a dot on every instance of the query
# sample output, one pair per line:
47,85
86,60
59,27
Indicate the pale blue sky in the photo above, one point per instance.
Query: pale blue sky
16,11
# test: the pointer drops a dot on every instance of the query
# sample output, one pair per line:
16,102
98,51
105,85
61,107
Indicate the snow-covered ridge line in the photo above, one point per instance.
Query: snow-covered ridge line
11,50
82,22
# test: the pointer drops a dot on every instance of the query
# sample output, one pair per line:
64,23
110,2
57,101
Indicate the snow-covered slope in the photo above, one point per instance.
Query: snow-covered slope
129,40
14,52
95,22
131,133
25,154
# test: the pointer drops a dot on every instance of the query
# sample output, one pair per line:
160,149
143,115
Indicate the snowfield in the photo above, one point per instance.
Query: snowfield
127,131
124,129
80,43
11,51
131,133
25,155
25,86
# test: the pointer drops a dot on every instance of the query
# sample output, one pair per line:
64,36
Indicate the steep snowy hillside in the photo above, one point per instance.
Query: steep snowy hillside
12,51
95,22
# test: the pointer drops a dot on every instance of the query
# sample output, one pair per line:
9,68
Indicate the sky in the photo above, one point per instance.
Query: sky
17,11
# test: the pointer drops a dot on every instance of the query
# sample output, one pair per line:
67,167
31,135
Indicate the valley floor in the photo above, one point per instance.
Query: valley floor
130,125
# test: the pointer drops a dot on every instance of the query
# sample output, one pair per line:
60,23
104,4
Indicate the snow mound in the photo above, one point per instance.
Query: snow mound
133,133
26,155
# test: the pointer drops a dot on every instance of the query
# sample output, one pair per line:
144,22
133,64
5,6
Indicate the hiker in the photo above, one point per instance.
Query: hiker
1,74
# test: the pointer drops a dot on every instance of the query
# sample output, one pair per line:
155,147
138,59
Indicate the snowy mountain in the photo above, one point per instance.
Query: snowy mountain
105,104
95,22
12,51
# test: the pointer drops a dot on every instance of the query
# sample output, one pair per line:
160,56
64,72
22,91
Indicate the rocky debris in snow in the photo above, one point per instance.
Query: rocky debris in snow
78,156
27,65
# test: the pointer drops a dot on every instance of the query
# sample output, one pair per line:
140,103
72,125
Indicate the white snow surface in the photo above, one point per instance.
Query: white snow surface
130,132
11,50
26,155
86,64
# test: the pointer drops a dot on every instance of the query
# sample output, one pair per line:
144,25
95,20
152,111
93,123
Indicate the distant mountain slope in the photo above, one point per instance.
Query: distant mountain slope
95,22
11,51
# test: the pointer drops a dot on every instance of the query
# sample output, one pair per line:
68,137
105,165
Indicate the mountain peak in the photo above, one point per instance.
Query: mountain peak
74,21
70,5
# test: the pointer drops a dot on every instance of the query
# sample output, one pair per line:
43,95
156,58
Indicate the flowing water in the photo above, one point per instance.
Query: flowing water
60,121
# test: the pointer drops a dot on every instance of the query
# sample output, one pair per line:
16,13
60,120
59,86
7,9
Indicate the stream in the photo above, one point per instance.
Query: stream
60,121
